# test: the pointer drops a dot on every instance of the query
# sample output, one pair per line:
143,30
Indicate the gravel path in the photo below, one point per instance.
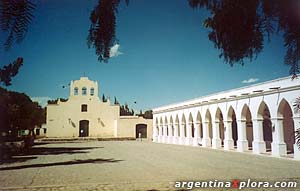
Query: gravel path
132,165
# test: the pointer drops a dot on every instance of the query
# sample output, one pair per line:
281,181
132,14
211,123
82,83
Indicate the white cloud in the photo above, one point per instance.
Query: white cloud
250,80
114,51
41,100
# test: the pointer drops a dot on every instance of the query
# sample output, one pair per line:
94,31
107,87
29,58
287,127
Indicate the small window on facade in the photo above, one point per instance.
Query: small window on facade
37,131
83,108
45,131
84,91
92,91
76,91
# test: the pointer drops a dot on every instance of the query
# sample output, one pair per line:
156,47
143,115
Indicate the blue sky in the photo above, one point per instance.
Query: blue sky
164,55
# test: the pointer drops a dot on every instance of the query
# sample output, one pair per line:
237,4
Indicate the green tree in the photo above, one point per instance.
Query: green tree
140,114
104,98
9,71
18,112
116,101
55,101
126,111
238,28
102,35
148,114
122,110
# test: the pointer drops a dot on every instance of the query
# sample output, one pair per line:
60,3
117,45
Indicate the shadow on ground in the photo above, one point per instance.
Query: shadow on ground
15,159
31,153
57,150
65,163
40,143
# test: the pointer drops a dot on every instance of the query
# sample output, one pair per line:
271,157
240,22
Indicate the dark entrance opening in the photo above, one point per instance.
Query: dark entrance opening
267,128
234,129
141,128
83,128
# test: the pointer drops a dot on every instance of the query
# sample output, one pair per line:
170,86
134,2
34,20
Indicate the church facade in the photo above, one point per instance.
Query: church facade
85,115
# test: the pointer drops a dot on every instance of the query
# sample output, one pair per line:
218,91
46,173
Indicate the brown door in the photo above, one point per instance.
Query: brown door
83,128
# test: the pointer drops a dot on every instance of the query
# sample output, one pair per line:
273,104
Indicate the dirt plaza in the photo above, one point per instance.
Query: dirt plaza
134,165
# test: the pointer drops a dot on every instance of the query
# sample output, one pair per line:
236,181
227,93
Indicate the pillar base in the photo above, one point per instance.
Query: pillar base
169,139
159,139
165,139
175,140
296,152
278,149
216,143
181,141
155,139
188,141
206,142
242,145
259,147
228,144
196,141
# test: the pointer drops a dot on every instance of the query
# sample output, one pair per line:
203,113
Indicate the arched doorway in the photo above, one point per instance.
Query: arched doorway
172,129
183,123
285,113
232,117
265,116
157,127
177,129
166,129
83,128
141,128
219,118
192,128
199,121
246,115
207,130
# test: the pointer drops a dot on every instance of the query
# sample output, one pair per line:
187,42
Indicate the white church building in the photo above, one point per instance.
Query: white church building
85,115
258,118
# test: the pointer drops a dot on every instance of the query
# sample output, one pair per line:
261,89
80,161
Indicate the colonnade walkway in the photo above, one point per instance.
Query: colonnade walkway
260,118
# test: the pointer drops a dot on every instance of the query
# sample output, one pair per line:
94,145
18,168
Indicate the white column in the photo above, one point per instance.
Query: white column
278,144
206,142
228,141
259,145
189,139
164,138
170,133
182,138
175,138
242,142
155,133
197,138
216,141
159,133
296,148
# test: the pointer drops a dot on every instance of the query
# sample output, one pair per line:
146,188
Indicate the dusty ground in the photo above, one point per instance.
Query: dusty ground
132,165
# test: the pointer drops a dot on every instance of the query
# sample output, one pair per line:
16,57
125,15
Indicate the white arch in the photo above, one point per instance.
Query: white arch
198,134
284,136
